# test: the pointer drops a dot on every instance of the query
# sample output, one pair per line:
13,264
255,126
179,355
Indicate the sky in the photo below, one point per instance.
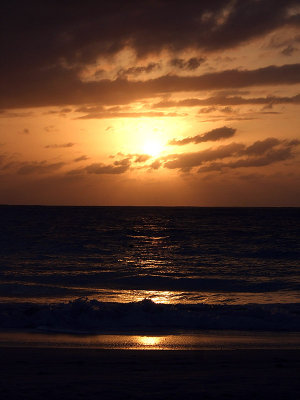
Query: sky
165,103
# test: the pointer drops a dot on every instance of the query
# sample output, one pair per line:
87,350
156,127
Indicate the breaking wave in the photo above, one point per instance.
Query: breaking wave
84,315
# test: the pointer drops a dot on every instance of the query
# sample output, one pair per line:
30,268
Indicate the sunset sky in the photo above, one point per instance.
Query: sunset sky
150,102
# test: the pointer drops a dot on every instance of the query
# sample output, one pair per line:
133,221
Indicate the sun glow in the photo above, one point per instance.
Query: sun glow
152,147
141,136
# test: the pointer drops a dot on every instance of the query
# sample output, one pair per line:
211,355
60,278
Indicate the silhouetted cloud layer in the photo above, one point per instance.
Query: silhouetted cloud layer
118,167
213,135
47,48
228,101
66,88
258,154
80,33
99,168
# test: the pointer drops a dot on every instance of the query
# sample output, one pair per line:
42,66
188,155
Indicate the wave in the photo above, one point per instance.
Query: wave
118,280
85,315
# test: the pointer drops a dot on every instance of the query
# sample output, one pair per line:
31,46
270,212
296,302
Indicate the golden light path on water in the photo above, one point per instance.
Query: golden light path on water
203,340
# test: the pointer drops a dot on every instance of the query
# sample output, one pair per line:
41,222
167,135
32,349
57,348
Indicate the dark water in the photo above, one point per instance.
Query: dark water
214,258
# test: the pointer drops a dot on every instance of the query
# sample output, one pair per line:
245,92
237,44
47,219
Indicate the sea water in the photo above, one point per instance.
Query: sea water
149,269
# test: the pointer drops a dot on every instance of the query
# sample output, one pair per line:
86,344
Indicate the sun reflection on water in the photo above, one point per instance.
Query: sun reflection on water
149,340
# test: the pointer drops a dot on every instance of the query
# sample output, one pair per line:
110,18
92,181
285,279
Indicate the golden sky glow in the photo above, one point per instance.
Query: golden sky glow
205,112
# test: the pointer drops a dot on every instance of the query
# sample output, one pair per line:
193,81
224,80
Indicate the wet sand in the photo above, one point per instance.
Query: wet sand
58,373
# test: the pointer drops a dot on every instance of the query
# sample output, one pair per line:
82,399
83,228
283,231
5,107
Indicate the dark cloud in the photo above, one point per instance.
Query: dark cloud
57,87
190,64
270,112
227,101
289,51
271,75
267,107
59,146
78,35
46,48
261,146
81,158
42,167
156,164
226,110
15,114
142,158
213,135
260,153
61,111
123,162
186,161
105,169
208,110
273,156
278,41
118,167
139,70
99,169
65,110
90,110
13,166
235,119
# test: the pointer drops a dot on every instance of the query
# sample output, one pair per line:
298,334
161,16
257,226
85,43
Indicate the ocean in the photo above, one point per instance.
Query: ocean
149,269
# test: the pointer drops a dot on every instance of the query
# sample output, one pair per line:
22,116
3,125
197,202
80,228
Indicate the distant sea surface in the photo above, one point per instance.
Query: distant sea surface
103,269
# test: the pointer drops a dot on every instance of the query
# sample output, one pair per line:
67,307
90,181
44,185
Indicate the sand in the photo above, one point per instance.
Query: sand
57,373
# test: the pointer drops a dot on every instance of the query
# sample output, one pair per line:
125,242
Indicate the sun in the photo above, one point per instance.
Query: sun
153,147
144,136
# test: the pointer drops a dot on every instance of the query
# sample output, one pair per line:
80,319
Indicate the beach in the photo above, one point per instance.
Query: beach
60,373
149,303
